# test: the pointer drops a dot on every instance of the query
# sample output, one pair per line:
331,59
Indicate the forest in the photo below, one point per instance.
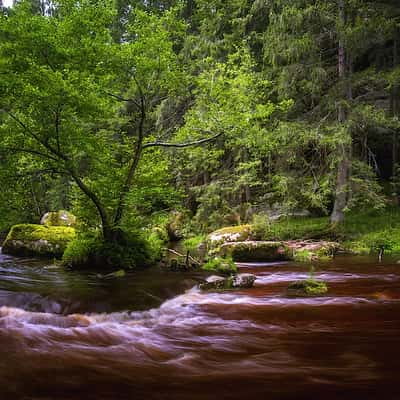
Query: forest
147,144
128,113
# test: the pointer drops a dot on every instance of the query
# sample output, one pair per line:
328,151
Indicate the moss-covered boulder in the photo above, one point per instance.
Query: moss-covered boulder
230,234
307,287
38,240
58,218
255,251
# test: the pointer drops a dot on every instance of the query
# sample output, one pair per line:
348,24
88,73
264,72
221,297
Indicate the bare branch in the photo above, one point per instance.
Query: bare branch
120,98
182,145
30,151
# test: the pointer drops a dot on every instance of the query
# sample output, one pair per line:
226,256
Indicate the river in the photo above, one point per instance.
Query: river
153,335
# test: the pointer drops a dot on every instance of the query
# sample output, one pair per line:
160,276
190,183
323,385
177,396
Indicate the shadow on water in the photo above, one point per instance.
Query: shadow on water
70,335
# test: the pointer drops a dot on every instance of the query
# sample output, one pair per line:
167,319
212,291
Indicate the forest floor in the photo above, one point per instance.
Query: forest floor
362,232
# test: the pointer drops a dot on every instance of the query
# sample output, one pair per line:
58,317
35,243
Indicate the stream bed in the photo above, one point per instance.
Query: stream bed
66,335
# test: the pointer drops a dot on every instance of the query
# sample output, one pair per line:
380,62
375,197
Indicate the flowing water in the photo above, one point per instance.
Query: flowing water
152,334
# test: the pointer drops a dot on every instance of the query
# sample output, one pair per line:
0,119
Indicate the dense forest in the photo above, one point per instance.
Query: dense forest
199,199
133,113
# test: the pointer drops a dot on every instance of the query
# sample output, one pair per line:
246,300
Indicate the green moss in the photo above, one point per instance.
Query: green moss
255,251
38,240
224,266
307,287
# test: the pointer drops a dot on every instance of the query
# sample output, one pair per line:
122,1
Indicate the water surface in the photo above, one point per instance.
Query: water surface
68,335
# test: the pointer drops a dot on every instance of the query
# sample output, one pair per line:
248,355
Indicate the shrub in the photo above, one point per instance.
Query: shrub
130,251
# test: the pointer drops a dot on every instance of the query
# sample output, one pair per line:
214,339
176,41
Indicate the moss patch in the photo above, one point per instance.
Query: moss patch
38,240
237,233
307,287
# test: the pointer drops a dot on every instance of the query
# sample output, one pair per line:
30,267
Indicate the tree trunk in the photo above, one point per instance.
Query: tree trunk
344,149
395,111
137,155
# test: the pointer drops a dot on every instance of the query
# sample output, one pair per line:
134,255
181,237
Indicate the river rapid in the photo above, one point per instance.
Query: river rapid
153,335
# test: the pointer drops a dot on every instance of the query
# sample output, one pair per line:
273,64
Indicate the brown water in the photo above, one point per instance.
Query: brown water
65,335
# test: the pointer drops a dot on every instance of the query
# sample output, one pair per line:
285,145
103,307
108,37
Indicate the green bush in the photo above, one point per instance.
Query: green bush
224,266
130,251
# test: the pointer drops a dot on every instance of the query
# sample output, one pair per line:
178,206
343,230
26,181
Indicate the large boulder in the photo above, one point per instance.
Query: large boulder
255,251
238,233
38,240
58,218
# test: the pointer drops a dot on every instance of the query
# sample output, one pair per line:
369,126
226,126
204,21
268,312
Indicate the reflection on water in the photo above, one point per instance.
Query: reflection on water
65,335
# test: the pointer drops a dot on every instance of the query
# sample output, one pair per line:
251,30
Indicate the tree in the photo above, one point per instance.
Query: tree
322,55
230,98
79,105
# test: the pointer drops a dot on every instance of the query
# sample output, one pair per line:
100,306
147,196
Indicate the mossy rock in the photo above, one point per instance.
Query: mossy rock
239,281
238,233
307,288
255,251
58,218
313,251
38,240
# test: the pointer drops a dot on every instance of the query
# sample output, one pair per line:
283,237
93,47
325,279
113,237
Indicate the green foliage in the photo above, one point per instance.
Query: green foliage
299,228
260,226
80,251
192,244
131,251
224,266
